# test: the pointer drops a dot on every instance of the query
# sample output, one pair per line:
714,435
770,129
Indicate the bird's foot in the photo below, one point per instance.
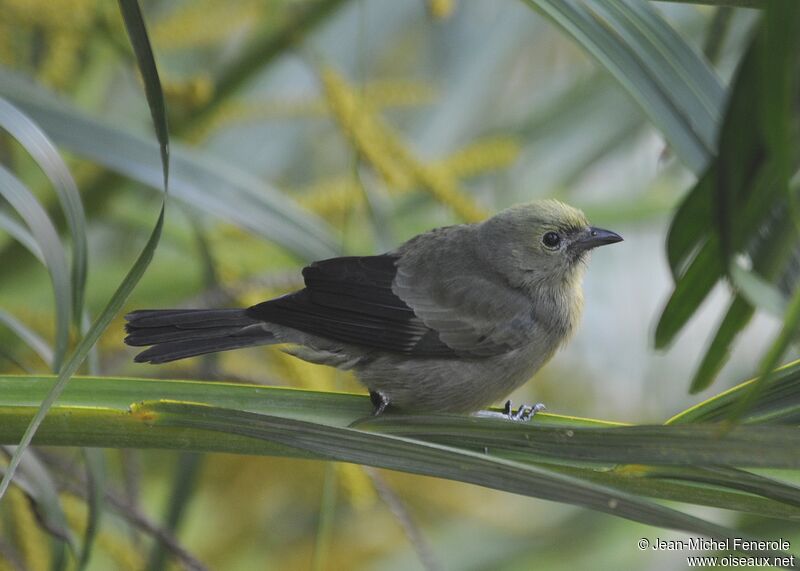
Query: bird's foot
379,401
524,413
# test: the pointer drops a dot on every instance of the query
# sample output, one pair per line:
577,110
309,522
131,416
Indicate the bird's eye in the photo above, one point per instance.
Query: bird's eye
551,240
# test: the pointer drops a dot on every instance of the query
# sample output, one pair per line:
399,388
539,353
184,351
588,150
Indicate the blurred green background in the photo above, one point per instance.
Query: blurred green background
370,121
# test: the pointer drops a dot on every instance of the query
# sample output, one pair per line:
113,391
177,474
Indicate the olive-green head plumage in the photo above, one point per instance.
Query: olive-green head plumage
542,243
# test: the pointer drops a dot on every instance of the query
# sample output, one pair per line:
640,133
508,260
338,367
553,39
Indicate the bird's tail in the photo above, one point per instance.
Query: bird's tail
180,333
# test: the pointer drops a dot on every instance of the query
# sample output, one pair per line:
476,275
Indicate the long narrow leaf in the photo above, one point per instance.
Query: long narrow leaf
743,189
137,33
138,36
95,482
736,318
684,445
690,223
87,342
787,334
675,88
38,145
757,291
683,485
95,412
21,234
690,291
397,453
30,337
771,249
197,178
42,229
665,55
777,402
730,3
39,485
706,268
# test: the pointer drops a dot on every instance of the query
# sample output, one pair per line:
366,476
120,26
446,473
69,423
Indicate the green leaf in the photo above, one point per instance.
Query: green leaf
29,336
39,146
769,251
77,357
95,477
139,39
778,402
408,455
137,33
758,291
717,32
678,445
736,318
699,91
756,133
675,87
21,234
690,223
97,412
730,3
707,267
42,229
198,179
774,354
35,480
744,188
690,291
737,479
687,485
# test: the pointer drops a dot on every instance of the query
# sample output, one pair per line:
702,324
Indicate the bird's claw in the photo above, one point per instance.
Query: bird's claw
524,413
379,402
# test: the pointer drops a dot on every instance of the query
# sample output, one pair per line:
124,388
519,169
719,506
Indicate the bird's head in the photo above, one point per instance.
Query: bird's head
541,243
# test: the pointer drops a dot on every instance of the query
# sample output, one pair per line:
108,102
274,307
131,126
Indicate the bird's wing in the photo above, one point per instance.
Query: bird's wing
354,300
472,309
350,300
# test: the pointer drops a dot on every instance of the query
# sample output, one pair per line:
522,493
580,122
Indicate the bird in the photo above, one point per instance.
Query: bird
451,321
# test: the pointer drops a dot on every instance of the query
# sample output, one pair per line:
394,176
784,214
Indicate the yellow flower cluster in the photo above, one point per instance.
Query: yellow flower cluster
386,152
189,93
446,189
441,9
29,538
334,198
482,156
117,546
50,14
64,23
357,485
368,133
380,94
203,23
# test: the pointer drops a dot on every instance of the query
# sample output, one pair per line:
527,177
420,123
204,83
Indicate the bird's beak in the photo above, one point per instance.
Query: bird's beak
595,237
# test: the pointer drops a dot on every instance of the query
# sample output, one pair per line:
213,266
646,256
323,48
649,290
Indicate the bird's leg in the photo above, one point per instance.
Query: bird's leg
524,413
379,401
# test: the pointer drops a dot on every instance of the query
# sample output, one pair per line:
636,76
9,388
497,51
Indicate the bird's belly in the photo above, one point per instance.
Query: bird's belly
450,385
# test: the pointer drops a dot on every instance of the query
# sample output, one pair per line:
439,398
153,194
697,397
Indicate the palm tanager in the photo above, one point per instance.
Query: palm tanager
452,320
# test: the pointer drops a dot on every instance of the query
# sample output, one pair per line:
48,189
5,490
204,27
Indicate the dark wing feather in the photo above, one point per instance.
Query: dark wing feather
350,300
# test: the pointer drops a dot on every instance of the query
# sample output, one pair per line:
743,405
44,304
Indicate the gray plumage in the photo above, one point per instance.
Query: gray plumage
453,320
